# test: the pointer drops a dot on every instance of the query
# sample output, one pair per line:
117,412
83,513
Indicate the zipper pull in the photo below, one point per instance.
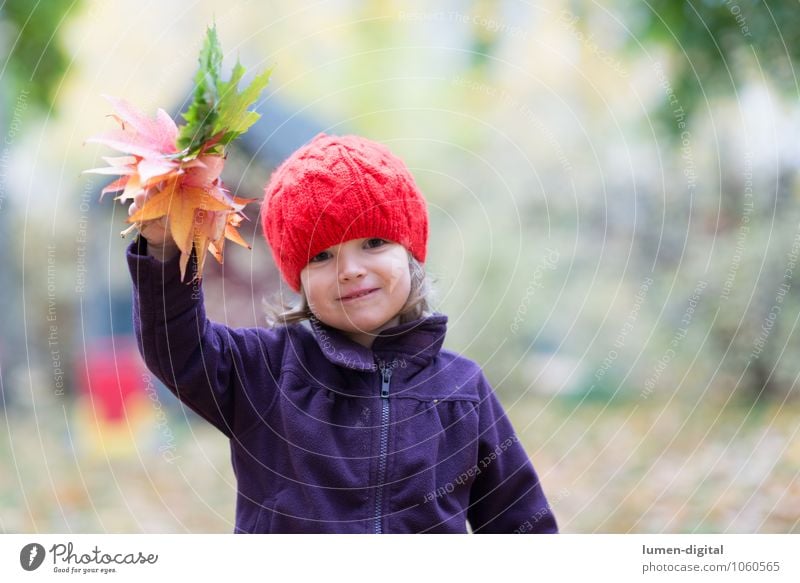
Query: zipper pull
386,376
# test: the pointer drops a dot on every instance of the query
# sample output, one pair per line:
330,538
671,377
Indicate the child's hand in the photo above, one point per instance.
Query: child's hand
160,243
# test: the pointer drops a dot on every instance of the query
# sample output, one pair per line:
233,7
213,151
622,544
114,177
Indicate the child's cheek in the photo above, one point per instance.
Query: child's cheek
307,282
398,276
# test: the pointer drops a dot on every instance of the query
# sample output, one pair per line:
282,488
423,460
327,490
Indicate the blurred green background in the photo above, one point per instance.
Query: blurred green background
615,231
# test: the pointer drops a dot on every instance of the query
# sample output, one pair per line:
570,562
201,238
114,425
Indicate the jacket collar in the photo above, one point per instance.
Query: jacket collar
416,342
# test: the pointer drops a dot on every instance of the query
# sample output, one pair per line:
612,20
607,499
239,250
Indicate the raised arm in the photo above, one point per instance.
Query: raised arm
225,375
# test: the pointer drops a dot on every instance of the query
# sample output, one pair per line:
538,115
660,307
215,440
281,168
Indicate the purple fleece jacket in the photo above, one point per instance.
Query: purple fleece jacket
329,436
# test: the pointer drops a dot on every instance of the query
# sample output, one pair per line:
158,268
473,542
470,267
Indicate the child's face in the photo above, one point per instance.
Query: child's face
335,277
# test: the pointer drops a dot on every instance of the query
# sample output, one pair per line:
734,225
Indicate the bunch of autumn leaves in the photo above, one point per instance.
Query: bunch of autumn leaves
183,185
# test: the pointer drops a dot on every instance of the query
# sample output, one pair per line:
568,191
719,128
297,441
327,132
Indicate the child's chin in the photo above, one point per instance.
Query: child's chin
363,323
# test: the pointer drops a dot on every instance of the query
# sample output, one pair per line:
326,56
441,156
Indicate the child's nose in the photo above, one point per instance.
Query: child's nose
350,267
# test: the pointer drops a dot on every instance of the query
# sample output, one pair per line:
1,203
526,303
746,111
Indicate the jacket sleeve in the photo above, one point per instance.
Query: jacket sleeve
223,374
506,496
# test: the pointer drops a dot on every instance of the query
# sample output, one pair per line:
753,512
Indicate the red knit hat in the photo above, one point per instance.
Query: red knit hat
337,188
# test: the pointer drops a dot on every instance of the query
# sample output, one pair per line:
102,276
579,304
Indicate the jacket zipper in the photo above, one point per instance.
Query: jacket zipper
386,376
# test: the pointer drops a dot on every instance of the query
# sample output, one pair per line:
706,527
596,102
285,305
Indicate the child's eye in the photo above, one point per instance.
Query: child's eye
322,256
375,242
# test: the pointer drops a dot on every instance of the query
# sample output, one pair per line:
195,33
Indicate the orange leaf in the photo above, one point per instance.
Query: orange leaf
243,201
181,220
181,231
203,199
201,248
183,262
132,188
216,251
232,234
162,180
154,207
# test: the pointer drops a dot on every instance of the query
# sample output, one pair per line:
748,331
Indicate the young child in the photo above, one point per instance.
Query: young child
349,417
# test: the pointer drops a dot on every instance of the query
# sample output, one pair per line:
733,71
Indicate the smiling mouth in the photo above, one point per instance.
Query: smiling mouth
358,296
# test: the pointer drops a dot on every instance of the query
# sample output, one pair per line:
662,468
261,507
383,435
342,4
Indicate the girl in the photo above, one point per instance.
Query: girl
349,417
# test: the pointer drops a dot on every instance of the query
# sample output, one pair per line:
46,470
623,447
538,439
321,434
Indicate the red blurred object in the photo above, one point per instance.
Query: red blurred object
111,375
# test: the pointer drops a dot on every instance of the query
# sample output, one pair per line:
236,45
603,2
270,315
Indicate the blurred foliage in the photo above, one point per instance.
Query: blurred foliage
719,44
484,40
36,60
726,215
